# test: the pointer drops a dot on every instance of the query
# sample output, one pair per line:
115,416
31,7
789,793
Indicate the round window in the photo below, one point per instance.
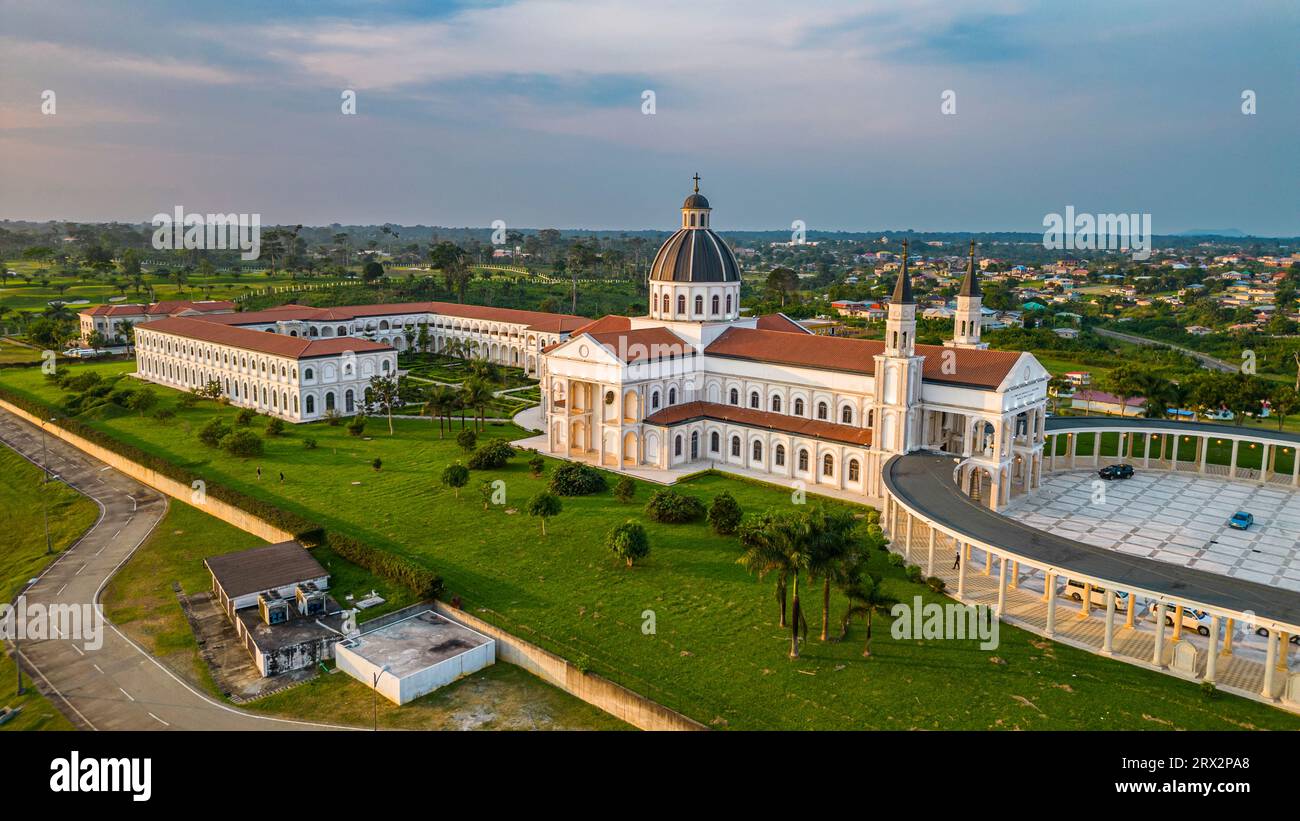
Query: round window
609,397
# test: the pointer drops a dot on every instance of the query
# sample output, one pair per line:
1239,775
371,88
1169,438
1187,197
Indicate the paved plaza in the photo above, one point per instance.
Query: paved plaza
1176,518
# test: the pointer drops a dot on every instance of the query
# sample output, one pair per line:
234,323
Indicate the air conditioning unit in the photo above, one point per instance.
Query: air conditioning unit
272,607
311,599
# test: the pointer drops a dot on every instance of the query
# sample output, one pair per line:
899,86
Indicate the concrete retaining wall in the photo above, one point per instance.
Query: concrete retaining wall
614,699
222,510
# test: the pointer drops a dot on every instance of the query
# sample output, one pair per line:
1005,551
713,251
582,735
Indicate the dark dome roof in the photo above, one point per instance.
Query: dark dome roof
695,255
696,200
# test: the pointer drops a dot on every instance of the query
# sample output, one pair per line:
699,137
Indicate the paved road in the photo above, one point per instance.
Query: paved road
1206,360
925,482
117,686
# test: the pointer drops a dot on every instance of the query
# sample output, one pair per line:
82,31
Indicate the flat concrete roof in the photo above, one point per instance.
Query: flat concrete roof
925,482
297,630
411,645
1068,424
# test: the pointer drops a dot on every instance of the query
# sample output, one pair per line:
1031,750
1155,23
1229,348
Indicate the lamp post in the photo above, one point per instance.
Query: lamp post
375,694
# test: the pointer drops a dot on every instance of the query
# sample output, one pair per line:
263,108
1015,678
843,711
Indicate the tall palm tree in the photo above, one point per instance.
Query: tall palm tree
440,403
833,549
783,541
866,598
762,557
477,394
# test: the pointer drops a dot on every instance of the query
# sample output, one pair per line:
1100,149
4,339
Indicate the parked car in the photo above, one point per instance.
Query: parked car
1074,590
1197,620
1116,472
1263,631
1241,520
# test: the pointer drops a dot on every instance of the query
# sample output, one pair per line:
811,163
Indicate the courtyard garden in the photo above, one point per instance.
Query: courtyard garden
686,624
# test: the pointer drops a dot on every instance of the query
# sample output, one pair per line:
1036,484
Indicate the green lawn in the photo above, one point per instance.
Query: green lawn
23,556
716,653
11,353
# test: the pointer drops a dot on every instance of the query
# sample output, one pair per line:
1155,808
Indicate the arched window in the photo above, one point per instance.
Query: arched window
823,410
384,366
734,397
668,304
803,460
714,442
310,404
654,400
735,446
308,373
798,407
758,451
754,400
681,304
349,401
329,401
714,305
672,396
828,465
699,305
778,455
776,404
728,304
846,414
677,446
871,417
854,472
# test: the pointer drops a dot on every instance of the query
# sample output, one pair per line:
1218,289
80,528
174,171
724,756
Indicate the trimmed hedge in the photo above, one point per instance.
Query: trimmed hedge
420,580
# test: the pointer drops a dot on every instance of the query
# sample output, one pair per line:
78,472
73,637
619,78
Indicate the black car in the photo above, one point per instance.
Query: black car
1116,472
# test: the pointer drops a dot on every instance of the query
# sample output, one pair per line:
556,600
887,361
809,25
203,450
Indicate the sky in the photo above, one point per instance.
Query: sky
532,112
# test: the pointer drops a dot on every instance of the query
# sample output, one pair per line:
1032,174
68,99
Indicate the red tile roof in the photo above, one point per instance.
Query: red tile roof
971,366
535,320
817,429
780,322
168,308
609,322
294,347
644,343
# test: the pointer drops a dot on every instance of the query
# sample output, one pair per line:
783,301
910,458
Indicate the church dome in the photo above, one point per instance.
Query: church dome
695,255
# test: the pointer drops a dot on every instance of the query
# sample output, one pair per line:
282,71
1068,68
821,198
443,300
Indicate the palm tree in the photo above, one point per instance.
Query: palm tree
866,597
833,543
782,541
762,558
440,403
477,394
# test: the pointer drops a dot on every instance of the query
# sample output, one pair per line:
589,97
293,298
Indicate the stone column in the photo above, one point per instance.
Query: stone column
1158,654
1232,464
1051,606
961,572
1049,586
1205,452
1270,662
1002,585
1212,657
929,566
1228,630
1108,641
1085,610
907,544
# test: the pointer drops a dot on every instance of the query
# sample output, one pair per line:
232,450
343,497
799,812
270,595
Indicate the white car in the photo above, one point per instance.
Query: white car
1197,620
1074,590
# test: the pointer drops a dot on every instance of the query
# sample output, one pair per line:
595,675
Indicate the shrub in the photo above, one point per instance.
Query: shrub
544,505
896,560
536,466
142,400
163,414
82,382
573,479
377,464
242,443
913,573
725,514
357,426
187,400
455,476
309,443
1209,690
245,416
629,542
491,456
936,584
275,427
213,432
467,439
332,418
670,507
485,490
624,489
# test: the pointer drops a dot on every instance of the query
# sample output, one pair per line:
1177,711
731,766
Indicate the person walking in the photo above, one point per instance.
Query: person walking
956,560
282,477
259,473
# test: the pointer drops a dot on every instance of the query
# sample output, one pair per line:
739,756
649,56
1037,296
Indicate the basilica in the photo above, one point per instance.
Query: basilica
696,384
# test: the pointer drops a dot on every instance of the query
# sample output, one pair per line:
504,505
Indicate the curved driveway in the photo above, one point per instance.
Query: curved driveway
117,686
924,482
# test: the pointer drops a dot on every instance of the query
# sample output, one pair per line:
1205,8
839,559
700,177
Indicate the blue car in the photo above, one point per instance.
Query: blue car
1241,520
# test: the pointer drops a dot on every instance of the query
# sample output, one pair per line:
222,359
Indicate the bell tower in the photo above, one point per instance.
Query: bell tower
896,410
970,301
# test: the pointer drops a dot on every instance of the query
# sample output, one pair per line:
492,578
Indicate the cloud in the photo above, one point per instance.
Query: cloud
49,57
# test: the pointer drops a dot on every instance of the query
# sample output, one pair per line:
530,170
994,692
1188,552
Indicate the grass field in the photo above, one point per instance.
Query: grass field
23,556
140,600
11,353
716,653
